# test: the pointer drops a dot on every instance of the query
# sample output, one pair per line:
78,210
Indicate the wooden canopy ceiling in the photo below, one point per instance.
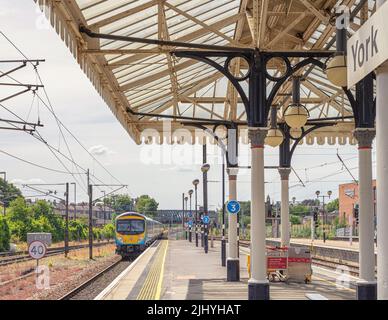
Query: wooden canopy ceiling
149,79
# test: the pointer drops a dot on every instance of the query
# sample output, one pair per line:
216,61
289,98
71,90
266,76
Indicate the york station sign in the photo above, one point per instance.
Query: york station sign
368,47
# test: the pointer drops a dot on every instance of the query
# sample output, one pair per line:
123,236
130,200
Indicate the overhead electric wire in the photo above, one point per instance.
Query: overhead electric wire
32,163
59,122
343,163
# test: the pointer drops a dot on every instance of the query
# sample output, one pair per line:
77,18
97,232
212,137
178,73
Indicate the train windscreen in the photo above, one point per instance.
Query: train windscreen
130,226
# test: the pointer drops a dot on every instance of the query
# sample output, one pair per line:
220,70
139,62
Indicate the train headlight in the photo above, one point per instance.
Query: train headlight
120,239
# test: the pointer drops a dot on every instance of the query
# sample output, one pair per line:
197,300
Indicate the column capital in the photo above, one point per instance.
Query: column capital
232,172
257,137
364,137
284,173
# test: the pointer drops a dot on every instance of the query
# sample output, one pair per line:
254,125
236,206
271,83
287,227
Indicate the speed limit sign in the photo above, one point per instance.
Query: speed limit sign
37,250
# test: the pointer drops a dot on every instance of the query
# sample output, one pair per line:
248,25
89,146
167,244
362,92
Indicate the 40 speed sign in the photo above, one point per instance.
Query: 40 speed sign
37,250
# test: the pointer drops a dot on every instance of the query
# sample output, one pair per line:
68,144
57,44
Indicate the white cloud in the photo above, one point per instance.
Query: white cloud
29,181
100,150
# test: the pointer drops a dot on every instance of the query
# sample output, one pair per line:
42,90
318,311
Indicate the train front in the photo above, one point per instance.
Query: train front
130,234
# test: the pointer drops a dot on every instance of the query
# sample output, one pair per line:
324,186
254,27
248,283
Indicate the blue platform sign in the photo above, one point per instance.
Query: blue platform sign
190,223
233,207
206,219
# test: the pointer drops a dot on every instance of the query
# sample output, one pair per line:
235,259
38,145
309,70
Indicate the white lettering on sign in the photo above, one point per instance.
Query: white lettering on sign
368,47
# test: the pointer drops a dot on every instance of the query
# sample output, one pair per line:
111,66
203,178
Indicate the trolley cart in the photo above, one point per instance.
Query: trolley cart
277,263
299,265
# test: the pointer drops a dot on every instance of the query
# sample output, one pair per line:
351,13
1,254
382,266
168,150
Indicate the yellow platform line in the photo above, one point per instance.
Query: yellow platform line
152,286
160,282
333,283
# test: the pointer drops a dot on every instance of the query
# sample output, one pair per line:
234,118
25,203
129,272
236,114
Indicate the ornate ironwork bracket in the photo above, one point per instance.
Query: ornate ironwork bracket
364,103
286,151
256,101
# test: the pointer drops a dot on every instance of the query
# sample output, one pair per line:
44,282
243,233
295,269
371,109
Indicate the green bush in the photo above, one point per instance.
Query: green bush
108,231
19,218
78,230
5,235
294,219
39,217
301,232
97,234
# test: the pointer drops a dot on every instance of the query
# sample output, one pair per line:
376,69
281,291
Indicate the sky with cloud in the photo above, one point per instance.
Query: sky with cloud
164,172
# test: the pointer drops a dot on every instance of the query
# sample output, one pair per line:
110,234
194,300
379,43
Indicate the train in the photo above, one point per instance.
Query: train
134,232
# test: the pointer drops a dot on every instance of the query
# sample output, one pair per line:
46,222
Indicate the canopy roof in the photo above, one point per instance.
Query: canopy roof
149,79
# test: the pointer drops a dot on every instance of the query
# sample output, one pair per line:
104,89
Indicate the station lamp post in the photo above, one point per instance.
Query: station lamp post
195,184
205,169
190,216
103,199
185,215
324,215
75,199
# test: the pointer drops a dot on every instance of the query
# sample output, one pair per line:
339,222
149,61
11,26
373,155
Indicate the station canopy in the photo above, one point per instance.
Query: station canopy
150,80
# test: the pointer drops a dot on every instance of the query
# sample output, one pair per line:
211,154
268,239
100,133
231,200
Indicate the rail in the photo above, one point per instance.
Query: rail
23,256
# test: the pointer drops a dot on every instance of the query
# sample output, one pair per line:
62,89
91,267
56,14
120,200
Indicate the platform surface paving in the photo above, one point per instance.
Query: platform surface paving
190,274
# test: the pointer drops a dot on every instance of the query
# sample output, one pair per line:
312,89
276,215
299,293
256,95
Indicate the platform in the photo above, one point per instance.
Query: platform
336,244
178,270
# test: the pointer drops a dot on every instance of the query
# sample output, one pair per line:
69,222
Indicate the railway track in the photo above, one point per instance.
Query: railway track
76,291
94,286
7,258
321,262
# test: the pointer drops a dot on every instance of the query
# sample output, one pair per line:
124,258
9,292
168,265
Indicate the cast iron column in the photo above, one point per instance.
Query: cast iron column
285,207
367,286
191,217
382,176
233,262
183,213
258,285
196,215
205,205
223,240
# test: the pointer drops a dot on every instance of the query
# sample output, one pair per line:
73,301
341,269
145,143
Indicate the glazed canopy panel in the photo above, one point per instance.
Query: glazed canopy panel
150,79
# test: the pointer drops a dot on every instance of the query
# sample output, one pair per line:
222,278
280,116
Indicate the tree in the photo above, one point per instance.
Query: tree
245,207
120,203
146,205
19,218
310,202
333,205
5,235
294,219
300,210
47,220
8,192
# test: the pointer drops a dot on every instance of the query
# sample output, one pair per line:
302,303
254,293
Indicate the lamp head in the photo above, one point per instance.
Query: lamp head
336,71
195,182
317,193
205,167
274,137
190,192
296,115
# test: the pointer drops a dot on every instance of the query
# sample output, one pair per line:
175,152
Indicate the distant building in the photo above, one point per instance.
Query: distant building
349,197
81,210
